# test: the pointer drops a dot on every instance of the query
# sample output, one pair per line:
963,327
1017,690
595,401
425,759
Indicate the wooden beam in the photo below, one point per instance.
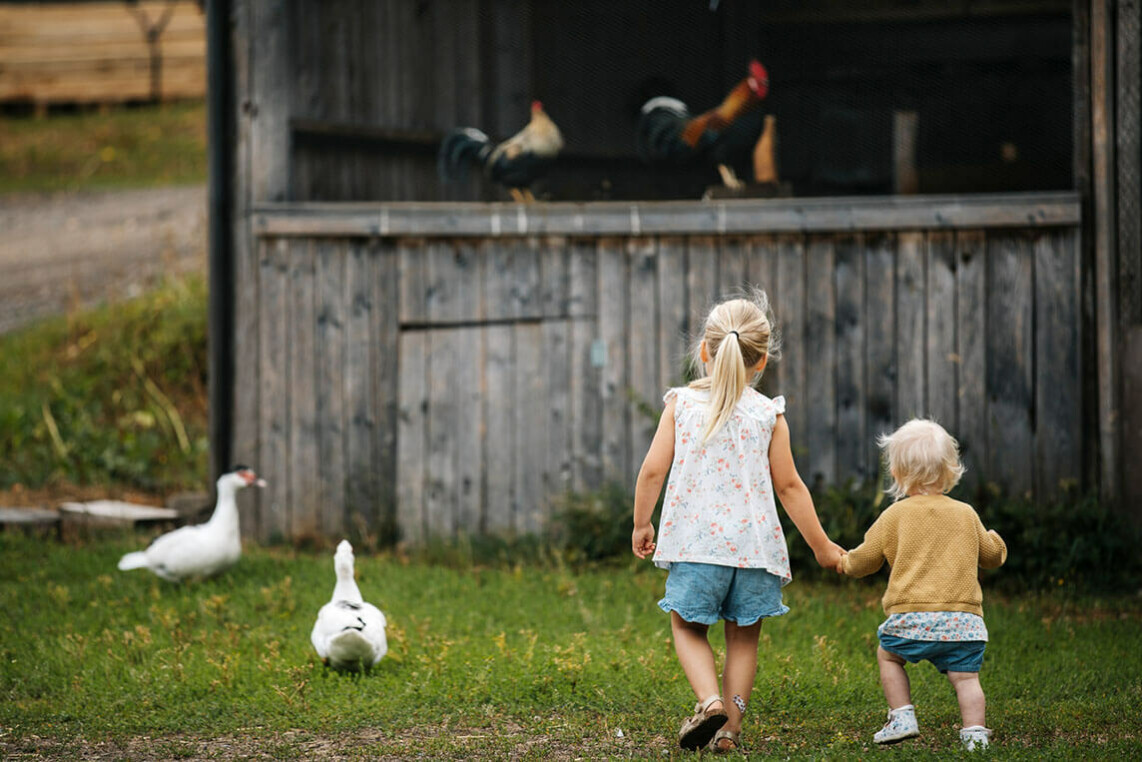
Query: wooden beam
268,105
734,216
1103,170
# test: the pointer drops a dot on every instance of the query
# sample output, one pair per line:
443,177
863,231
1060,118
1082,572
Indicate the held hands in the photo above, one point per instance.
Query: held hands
829,556
642,540
840,567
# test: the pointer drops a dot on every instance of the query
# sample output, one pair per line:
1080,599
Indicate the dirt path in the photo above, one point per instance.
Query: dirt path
66,250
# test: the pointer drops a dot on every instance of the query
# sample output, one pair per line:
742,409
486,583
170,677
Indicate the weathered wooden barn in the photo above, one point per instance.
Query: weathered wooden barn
958,237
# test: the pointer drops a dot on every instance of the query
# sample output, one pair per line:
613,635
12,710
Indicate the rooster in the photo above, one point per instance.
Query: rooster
669,135
515,163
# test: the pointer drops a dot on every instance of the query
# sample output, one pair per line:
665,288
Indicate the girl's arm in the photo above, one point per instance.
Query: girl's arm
795,497
650,477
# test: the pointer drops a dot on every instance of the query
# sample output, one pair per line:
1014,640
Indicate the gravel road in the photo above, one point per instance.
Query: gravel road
65,250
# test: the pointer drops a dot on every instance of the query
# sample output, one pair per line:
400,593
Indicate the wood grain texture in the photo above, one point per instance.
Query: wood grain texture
614,333
273,413
304,507
1010,369
721,218
386,375
1058,442
820,348
972,404
645,388
790,306
362,484
911,327
880,345
330,346
851,390
942,362
673,315
432,386
585,376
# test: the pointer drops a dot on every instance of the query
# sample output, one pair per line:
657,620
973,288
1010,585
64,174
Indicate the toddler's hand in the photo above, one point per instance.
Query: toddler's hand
840,567
642,540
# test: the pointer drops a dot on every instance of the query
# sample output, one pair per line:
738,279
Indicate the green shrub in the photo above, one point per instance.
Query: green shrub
595,526
112,396
1076,542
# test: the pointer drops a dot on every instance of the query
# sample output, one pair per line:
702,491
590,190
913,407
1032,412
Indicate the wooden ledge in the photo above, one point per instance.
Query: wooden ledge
718,217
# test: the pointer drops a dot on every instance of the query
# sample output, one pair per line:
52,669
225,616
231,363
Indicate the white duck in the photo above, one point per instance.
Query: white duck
349,634
202,550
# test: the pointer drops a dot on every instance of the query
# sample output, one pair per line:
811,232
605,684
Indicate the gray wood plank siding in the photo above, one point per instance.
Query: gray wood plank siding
464,382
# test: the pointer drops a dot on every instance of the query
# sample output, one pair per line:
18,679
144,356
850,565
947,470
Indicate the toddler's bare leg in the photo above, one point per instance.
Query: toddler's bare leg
973,705
893,678
696,656
740,671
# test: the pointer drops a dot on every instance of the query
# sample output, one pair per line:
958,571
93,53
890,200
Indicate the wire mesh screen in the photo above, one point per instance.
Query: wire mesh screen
678,99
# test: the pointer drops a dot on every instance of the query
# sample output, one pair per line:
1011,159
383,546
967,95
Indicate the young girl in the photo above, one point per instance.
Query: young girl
935,546
727,450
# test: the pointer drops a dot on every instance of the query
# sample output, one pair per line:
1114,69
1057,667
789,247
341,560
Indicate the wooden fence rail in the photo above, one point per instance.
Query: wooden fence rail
100,52
391,378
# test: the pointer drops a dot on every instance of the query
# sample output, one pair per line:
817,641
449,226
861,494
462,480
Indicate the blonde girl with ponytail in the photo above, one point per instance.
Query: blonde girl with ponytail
726,449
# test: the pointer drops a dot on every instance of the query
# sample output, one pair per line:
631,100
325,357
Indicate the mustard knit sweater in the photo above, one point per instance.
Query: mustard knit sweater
934,545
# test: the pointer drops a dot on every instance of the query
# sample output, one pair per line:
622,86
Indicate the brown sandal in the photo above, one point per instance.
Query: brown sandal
697,731
725,741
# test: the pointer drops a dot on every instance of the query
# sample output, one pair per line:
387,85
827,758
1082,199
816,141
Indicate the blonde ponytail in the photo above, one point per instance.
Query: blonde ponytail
738,335
727,382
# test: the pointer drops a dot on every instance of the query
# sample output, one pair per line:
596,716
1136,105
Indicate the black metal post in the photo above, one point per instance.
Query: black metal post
221,130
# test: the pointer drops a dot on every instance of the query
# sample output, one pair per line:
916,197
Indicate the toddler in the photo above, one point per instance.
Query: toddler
726,448
934,546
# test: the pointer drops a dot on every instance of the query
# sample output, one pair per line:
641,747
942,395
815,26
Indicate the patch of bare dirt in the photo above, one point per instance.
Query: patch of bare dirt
64,251
507,743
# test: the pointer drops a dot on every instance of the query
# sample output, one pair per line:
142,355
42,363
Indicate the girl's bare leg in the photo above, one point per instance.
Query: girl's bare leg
740,671
893,678
696,656
973,705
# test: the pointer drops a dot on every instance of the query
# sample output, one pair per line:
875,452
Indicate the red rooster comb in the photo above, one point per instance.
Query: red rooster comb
536,105
758,79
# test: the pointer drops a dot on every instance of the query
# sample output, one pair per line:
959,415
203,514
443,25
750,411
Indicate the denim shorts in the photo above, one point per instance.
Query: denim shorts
946,655
705,593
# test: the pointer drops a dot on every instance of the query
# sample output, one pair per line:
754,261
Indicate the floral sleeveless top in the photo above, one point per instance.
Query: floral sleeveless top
719,506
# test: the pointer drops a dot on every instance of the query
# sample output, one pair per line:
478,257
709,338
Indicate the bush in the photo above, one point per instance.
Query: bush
595,526
1076,542
113,396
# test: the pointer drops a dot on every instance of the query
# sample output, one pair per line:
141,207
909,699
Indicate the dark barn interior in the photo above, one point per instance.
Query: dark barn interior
977,94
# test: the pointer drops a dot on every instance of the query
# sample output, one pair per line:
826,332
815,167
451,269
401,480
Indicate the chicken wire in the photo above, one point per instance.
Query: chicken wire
869,96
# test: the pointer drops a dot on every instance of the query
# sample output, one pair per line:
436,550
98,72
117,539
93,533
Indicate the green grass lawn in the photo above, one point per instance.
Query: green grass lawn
123,148
534,662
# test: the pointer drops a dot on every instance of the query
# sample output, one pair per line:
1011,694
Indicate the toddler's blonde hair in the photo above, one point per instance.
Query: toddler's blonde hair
921,457
738,334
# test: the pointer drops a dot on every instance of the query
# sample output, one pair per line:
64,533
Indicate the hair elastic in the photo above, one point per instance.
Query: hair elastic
735,333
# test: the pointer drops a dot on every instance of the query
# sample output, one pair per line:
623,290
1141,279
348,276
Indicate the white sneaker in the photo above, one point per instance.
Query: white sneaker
901,724
975,738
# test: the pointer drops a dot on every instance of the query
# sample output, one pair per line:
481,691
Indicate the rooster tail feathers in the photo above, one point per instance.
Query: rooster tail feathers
460,149
136,560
